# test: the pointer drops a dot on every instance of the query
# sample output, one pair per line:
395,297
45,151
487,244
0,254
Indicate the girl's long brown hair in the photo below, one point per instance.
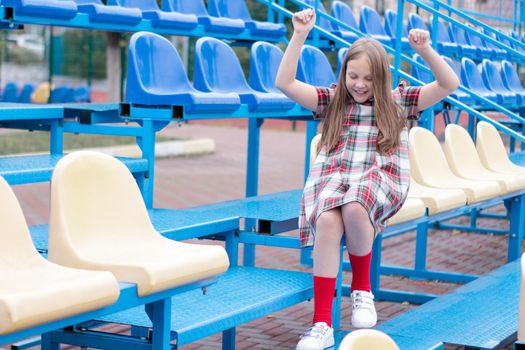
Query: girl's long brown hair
388,113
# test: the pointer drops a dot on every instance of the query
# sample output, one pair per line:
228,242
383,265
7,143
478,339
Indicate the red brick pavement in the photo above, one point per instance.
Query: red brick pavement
187,181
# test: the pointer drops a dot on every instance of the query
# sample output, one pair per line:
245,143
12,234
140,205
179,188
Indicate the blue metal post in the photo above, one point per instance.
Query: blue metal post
56,137
228,339
516,227
421,246
252,180
399,35
147,144
161,324
47,342
375,268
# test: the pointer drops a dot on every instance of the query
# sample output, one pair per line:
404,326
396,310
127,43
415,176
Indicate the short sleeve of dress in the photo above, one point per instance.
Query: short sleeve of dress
407,97
324,95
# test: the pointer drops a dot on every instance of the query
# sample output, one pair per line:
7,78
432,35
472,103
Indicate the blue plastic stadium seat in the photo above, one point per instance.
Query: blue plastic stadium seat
370,23
25,93
69,96
265,59
343,12
492,79
390,29
59,94
156,76
60,9
210,23
458,36
82,94
10,93
340,58
458,94
237,9
425,77
511,80
314,68
98,12
324,23
150,10
471,78
497,53
445,44
503,38
210,75
482,51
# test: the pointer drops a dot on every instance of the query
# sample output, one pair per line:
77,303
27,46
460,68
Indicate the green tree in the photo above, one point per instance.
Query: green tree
80,47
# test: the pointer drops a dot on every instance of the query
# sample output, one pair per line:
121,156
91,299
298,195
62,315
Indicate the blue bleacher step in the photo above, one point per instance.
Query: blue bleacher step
518,158
482,314
241,295
18,170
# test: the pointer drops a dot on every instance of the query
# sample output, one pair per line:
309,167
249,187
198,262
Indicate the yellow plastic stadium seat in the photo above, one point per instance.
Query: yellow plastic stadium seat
99,222
429,167
437,200
33,290
413,208
313,149
521,320
367,339
464,161
492,152
41,93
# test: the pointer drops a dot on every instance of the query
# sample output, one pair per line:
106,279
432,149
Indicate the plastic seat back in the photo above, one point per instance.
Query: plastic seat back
442,35
425,77
313,149
491,149
492,77
143,5
265,59
471,76
416,22
10,93
59,94
367,339
153,64
314,68
427,159
194,7
82,94
212,56
25,93
340,59
510,77
344,13
460,151
370,21
229,8
391,24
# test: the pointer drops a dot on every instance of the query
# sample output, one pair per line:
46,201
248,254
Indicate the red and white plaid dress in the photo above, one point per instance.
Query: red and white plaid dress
354,171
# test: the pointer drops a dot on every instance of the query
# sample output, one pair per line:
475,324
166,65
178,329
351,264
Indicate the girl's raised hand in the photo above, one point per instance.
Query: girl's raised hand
419,40
303,21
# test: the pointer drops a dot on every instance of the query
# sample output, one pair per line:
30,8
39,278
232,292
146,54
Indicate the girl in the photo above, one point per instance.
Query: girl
361,175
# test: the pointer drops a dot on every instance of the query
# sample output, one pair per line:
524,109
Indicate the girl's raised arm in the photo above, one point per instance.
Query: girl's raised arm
302,93
446,80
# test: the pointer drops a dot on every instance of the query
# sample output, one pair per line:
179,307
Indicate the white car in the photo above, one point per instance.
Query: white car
30,42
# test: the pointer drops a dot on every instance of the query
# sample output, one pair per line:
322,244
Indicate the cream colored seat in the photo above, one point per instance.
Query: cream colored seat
33,290
412,208
464,161
367,339
437,200
429,167
313,149
492,152
99,222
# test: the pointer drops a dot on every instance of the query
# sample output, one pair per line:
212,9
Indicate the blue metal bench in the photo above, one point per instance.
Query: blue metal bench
482,314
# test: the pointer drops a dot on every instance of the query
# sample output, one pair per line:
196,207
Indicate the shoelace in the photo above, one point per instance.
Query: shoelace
317,332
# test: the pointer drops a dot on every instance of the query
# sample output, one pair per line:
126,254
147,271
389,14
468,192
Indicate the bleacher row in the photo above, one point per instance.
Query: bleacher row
156,78
41,94
221,18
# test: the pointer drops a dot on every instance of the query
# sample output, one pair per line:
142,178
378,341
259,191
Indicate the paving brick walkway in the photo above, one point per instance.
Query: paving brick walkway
188,181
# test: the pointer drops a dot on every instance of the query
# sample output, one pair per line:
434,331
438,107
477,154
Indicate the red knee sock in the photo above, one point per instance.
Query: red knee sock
360,271
324,288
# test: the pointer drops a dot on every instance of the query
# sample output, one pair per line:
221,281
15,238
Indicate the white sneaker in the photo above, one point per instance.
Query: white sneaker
317,337
363,311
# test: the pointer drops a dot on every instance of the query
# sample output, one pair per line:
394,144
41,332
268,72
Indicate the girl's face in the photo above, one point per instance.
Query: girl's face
359,79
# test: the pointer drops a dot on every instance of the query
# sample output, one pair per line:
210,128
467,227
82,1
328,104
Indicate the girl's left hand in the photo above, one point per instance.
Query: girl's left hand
419,40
